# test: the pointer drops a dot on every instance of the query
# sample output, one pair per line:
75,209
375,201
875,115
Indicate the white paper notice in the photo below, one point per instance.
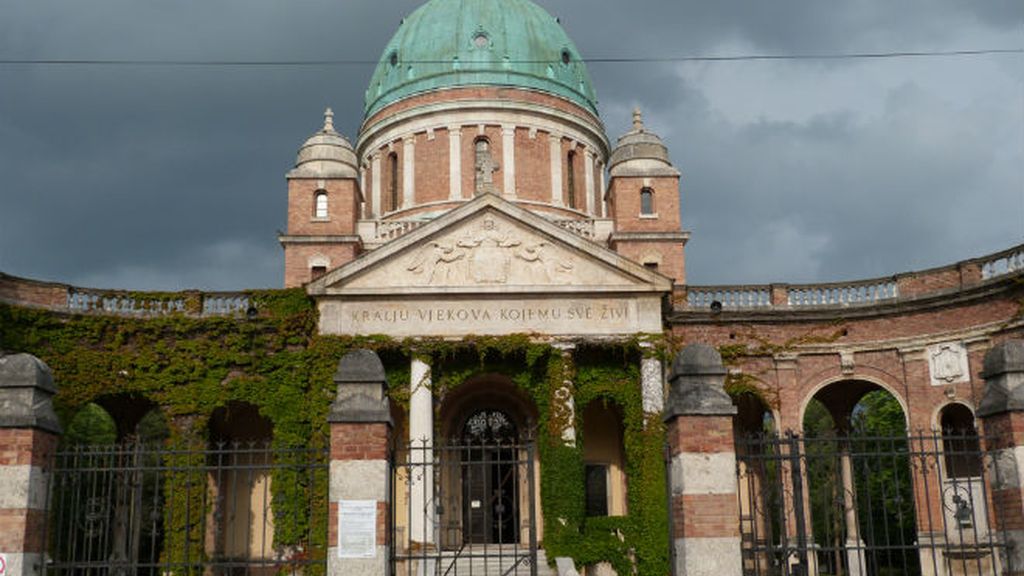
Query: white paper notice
357,528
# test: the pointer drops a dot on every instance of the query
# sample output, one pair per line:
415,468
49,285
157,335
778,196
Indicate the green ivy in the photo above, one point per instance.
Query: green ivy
275,360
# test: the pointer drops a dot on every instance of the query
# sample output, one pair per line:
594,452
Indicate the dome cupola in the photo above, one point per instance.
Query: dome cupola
326,154
454,43
640,150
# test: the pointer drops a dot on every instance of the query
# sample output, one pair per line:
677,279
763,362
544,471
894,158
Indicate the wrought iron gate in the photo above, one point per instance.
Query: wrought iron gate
871,506
229,509
464,508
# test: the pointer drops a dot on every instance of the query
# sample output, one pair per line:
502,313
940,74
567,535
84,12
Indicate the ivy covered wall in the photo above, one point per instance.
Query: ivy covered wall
190,366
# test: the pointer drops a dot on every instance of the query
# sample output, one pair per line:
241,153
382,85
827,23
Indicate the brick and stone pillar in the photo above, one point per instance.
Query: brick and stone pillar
28,439
1002,414
359,472
705,510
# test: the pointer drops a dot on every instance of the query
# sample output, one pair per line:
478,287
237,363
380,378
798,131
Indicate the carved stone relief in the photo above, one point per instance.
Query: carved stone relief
948,363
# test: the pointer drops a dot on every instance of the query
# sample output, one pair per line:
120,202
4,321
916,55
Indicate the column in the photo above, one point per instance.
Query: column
454,163
704,505
604,190
855,560
422,508
28,435
1002,415
375,191
508,160
360,473
362,190
588,178
564,407
652,384
556,168
409,171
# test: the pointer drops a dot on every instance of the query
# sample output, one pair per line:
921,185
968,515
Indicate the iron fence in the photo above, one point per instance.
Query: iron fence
222,510
872,506
464,508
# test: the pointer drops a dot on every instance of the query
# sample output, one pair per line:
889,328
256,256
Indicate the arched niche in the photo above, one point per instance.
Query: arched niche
604,459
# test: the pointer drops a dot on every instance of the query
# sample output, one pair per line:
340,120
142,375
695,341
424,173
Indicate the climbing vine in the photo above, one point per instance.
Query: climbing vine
189,366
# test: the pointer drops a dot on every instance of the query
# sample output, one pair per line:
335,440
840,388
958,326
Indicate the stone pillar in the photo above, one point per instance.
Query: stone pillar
564,409
555,140
604,190
588,178
855,560
360,474
651,383
375,185
704,506
28,439
454,163
508,160
422,508
1002,414
408,172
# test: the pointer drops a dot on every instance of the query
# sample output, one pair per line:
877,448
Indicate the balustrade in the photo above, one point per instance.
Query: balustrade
1003,263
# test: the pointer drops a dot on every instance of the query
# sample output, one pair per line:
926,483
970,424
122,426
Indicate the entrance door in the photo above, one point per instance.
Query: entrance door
490,479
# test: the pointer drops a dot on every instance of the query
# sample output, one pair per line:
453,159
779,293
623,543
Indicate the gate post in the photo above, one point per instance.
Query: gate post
703,487
360,474
28,439
1002,414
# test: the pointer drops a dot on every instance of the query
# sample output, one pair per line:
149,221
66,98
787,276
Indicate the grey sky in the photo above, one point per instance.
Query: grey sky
170,178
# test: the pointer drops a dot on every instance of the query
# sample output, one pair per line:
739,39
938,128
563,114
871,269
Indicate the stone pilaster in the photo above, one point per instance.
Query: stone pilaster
508,160
565,404
454,163
375,175
652,384
555,141
28,437
704,505
409,172
359,471
1002,414
588,178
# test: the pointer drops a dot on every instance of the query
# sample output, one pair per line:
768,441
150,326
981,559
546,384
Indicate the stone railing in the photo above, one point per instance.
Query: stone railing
729,296
843,294
388,230
143,304
1002,263
582,228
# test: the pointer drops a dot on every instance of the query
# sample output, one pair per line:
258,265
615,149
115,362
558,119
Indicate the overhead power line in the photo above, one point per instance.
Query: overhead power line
598,60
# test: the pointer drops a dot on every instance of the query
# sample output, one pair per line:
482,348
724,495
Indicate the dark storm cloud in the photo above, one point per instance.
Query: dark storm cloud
148,177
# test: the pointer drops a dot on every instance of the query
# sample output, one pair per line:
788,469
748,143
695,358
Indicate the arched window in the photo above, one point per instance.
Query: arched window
646,202
570,179
393,181
320,205
484,167
960,446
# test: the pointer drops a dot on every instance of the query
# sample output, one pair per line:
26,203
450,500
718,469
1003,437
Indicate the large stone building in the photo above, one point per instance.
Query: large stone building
522,278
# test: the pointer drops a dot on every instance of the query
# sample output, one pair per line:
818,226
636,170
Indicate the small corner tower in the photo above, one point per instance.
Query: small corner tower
643,194
324,199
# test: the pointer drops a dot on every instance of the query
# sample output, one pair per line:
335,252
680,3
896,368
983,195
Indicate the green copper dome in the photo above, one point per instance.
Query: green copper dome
447,43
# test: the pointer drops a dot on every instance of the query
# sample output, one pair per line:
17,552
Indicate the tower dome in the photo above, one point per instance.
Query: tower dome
450,43
640,150
325,154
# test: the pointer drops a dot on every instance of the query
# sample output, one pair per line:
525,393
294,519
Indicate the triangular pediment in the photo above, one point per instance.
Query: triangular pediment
489,245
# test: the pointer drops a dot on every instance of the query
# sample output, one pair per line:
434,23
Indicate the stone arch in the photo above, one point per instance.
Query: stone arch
865,385
604,457
240,521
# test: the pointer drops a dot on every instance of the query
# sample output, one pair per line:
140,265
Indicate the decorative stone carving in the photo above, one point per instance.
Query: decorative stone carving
846,363
948,364
489,254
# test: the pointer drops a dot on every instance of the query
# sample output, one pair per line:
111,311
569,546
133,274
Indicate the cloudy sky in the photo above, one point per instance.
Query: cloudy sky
149,177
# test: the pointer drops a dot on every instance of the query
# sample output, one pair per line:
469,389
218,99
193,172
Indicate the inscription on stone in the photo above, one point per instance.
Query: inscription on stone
410,318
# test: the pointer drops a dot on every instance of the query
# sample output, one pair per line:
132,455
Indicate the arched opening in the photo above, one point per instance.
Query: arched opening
90,426
488,464
320,205
963,489
604,459
484,167
860,490
240,523
570,179
646,202
393,200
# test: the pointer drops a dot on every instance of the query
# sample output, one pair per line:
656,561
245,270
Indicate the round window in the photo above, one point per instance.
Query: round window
481,40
